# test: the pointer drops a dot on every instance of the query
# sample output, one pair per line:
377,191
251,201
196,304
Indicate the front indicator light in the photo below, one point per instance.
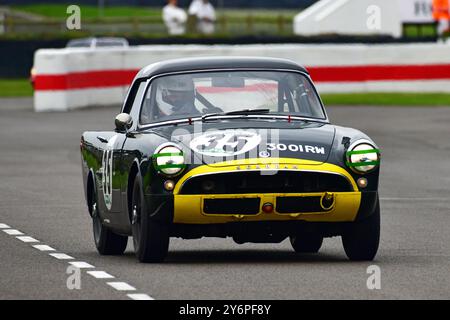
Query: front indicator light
362,182
169,185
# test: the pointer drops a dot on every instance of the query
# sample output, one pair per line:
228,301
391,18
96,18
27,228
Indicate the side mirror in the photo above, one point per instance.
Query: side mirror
123,122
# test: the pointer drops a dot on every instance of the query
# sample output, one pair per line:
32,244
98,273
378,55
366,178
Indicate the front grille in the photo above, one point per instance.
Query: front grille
257,182
299,204
245,206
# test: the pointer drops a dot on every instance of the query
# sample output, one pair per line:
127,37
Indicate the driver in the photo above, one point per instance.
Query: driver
176,95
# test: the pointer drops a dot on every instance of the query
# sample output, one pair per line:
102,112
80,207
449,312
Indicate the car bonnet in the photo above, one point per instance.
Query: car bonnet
218,144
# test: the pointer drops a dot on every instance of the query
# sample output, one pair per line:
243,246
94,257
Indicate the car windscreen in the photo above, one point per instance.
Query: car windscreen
195,94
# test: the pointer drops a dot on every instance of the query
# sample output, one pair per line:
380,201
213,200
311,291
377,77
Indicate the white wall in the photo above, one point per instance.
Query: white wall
361,17
60,65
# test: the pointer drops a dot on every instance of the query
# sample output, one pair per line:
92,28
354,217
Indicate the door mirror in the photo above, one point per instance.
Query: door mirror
123,122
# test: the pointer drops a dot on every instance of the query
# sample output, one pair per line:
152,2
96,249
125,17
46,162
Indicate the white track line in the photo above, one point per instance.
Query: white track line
60,256
121,286
100,274
27,239
43,247
81,265
13,232
139,296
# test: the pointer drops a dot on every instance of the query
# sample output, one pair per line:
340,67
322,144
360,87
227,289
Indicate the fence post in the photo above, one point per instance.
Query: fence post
223,23
191,25
249,23
2,22
135,25
280,24
9,24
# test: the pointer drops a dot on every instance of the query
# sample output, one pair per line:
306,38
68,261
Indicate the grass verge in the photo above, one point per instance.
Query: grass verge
15,88
58,11
387,99
87,11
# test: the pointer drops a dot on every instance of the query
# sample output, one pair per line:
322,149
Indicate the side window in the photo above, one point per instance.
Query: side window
313,100
135,91
305,99
145,115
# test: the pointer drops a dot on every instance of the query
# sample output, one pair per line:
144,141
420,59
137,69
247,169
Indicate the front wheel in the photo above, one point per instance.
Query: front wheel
361,239
106,241
150,239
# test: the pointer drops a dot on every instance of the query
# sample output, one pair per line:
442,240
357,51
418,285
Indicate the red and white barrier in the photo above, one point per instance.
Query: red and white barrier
74,78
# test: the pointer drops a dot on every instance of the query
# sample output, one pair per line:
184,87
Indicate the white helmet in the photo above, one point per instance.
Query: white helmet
173,92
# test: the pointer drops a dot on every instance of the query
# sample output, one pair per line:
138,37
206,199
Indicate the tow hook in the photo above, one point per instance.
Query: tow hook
327,200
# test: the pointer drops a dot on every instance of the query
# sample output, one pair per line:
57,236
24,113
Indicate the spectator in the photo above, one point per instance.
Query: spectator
205,14
441,15
193,7
175,18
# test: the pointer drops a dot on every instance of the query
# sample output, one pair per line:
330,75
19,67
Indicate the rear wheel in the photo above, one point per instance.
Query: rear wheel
362,238
306,242
106,241
150,239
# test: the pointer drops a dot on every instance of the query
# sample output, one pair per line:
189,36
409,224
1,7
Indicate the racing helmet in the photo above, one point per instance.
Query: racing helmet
174,93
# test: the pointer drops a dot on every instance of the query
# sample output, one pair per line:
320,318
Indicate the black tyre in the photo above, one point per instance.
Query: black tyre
106,241
150,239
306,242
361,239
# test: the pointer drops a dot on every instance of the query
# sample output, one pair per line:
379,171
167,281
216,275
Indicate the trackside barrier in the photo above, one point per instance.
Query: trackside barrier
75,78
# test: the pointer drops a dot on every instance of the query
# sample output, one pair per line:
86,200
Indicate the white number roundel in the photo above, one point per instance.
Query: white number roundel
107,172
225,143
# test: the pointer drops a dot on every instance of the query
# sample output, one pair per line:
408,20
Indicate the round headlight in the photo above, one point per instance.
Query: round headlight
362,157
169,160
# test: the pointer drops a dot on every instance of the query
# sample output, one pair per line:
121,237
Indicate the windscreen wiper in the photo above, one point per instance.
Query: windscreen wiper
243,112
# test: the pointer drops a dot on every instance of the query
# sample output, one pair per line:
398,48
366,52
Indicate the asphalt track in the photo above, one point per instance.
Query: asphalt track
41,196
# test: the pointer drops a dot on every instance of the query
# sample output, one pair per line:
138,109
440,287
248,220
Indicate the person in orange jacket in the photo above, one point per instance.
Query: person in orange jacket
441,14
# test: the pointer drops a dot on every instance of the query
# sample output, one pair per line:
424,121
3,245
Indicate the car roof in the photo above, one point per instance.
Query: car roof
86,41
217,63
93,40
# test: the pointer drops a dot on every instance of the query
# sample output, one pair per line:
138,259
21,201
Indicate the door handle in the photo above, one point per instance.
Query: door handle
104,140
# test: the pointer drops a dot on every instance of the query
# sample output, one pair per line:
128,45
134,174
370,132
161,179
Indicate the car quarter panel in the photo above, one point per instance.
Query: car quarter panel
101,157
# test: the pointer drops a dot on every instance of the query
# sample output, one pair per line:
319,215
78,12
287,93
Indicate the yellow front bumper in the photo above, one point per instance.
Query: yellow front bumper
188,209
